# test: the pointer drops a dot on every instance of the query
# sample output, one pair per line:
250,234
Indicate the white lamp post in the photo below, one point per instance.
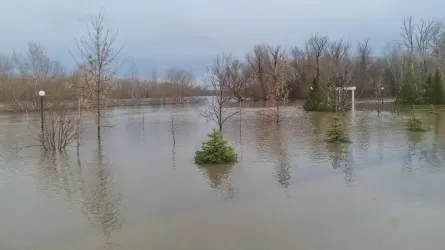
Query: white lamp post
41,94
381,92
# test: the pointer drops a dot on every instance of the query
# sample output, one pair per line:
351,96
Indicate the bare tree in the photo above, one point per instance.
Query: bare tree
257,61
362,77
36,68
74,82
341,69
219,83
298,63
36,64
135,82
98,62
173,79
394,67
408,38
6,71
279,73
181,81
185,80
6,68
238,79
438,48
317,45
427,33
154,81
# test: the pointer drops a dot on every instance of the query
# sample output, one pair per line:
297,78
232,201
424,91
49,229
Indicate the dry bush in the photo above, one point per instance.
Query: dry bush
60,128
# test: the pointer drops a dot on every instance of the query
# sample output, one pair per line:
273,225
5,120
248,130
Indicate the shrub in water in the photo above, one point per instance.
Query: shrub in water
337,132
415,124
215,151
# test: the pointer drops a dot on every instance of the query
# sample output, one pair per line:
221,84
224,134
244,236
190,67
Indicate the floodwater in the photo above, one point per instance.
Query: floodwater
136,190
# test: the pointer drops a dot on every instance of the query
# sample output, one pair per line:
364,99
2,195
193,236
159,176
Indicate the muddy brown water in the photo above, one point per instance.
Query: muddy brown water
290,190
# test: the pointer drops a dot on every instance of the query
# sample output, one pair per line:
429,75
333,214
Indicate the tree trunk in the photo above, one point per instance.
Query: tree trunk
98,121
318,69
220,120
98,108
278,112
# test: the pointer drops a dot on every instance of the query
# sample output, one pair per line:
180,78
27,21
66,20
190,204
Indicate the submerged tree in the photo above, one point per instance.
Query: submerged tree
219,81
98,62
238,79
408,93
279,74
215,151
314,101
317,45
414,123
434,93
337,132
181,81
257,60
340,68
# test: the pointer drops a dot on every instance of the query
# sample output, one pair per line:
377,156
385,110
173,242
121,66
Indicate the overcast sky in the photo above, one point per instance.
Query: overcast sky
189,33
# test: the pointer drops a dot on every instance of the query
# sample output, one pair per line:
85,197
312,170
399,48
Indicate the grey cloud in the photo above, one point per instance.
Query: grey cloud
189,33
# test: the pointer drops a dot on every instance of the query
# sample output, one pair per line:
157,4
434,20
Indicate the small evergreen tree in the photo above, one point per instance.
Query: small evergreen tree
314,101
434,93
408,93
337,132
215,151
414,123
438,85
428,90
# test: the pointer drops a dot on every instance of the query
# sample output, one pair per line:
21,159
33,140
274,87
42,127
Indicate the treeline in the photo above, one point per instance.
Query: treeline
23,75
276,73
268,72
429,92
416,55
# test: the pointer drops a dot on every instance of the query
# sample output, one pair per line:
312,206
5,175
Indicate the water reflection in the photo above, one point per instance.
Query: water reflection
89,190
279,151
88,187
101,204
56,175
341,158
363,132
319,124
173,155
435,156
428,154
219,178
272,146
414,138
